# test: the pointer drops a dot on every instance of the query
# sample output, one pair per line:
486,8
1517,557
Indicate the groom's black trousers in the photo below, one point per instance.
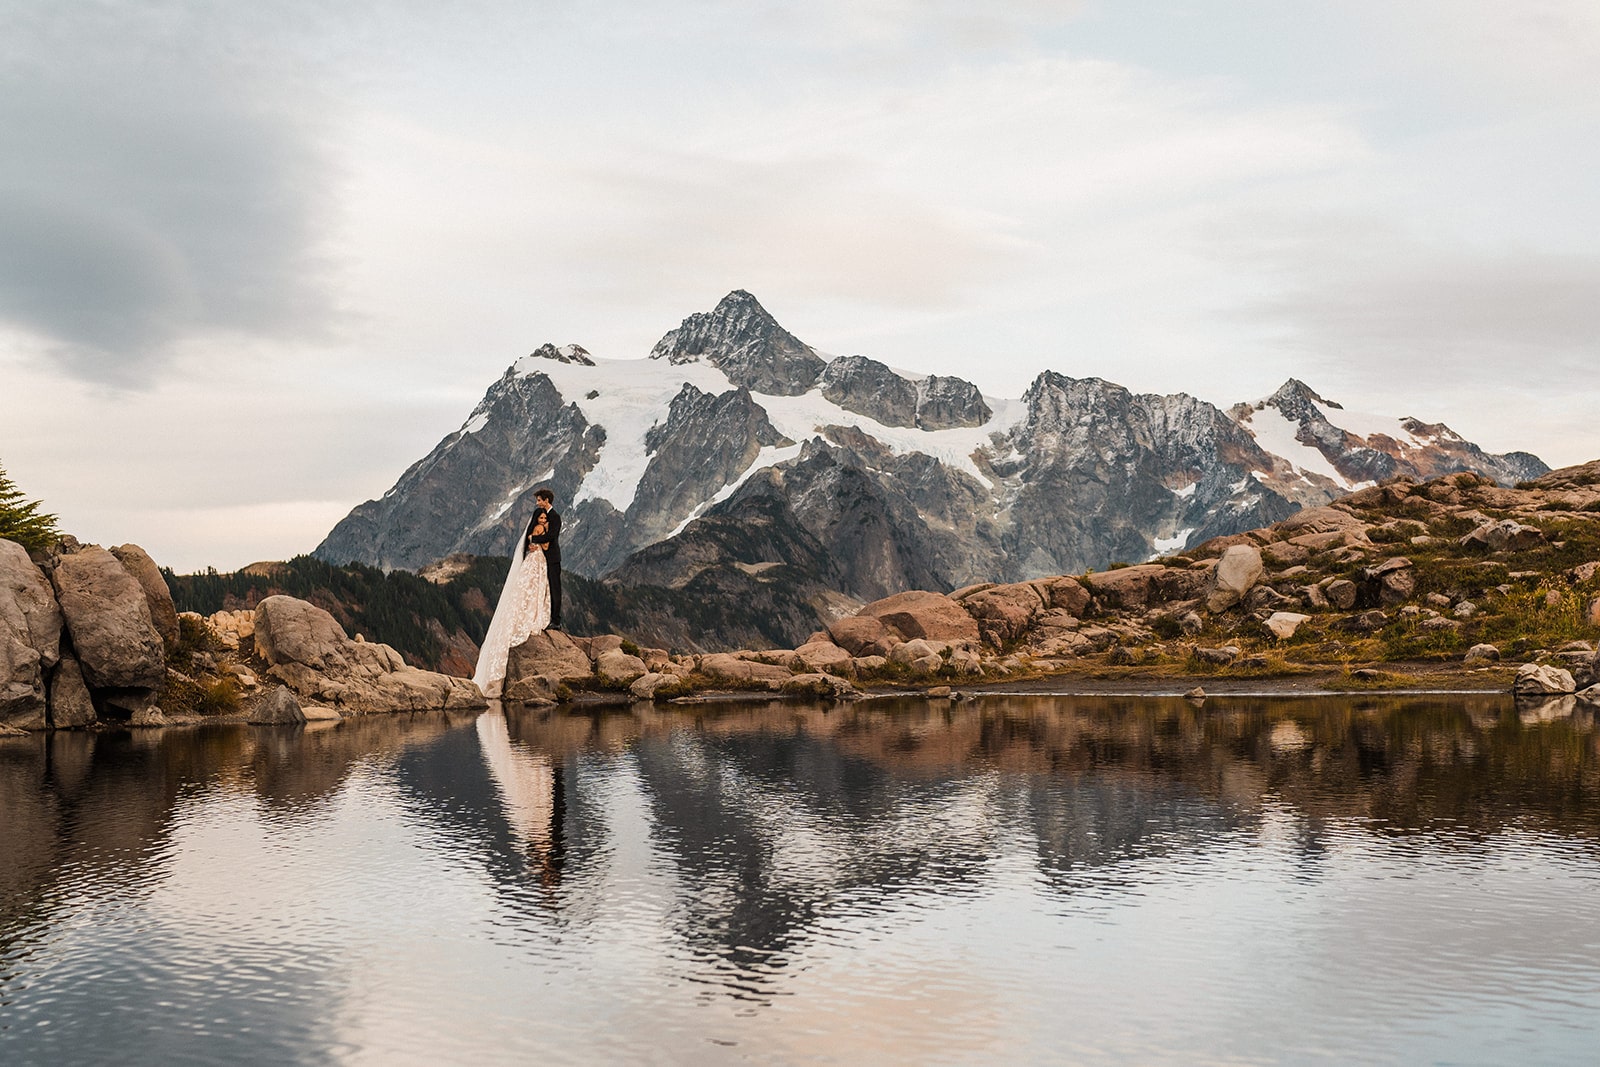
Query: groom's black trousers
552,561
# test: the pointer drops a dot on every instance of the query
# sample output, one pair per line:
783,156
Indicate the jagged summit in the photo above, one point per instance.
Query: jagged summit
564,354
744,341
1322,446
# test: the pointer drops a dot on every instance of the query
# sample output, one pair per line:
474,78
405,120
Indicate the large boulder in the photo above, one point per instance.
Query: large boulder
307,650
551,654
30,638
1068,594
1539,679
1234,575
290,630
70,704
824,656
108,616
1005,612
726,667
163,613
919,613
862,635
28,604
1391,582
616,667
1507,535
276,707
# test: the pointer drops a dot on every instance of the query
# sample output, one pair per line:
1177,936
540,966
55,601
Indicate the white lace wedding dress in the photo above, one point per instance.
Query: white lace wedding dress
524,610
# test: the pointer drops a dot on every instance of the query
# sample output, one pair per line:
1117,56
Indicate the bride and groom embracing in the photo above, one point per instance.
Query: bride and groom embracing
530,601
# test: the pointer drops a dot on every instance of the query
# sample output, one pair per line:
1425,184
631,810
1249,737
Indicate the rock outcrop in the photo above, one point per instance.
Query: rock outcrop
163,614
107,615
307,650
30,638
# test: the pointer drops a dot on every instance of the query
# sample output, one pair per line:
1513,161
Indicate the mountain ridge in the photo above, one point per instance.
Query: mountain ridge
897,482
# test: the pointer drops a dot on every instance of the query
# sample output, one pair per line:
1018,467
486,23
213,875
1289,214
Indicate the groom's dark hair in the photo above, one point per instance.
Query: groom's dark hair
546,495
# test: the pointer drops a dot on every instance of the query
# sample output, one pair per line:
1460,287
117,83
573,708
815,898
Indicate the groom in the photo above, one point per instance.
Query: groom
552,556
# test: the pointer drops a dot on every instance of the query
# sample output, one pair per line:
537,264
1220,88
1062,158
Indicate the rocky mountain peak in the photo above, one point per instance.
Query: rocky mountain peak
564,354
743,340
1297,400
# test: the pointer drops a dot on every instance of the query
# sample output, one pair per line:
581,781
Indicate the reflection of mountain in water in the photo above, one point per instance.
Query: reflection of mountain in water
771,819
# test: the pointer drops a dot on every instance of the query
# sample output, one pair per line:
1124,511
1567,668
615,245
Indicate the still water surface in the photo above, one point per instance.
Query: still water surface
1019,879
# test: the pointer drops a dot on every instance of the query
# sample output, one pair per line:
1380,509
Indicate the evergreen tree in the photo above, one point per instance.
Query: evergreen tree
21,520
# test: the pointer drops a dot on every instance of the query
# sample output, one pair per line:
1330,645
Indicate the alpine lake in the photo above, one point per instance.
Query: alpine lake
1008,879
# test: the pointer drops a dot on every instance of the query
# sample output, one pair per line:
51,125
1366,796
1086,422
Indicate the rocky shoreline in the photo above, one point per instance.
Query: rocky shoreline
1451,584
89,637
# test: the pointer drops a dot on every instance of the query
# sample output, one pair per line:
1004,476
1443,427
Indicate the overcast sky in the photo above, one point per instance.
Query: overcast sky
255,259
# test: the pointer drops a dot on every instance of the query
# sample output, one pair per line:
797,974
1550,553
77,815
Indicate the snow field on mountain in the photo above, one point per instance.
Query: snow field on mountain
1366,426
633,395
1275,433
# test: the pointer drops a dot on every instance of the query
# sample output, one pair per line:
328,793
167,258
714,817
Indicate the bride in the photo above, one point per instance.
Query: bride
523,611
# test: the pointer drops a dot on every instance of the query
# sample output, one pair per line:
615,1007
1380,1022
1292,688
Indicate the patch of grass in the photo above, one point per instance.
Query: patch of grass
219,697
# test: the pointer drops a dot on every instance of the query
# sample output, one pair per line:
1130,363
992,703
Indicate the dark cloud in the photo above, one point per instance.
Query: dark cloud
154,185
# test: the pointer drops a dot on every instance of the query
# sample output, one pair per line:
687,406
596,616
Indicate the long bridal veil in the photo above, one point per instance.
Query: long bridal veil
496,647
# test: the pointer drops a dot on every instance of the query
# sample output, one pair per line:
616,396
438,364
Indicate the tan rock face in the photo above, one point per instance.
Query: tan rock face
289,630
1004,612
1235,574
551,654
618,667
70,704
108,616
1069,595
309,652
861,635
138,563
730,668
824,656
30,638
923,614
1127,588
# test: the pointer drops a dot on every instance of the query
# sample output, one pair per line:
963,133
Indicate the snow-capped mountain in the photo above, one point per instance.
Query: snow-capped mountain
736,459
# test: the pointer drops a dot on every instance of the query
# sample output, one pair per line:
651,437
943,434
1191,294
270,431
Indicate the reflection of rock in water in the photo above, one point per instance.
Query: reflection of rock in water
530,789
776,817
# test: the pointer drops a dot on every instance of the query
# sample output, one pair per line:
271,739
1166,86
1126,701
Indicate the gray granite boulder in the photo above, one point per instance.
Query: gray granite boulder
276,707
70,704
108,617
1538,679
163,613
30,638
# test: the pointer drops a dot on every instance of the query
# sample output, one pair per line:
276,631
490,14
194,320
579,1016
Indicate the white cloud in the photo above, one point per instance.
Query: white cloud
311,236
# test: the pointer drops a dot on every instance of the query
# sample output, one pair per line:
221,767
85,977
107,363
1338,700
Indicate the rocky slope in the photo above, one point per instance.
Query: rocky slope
863,479
1455,571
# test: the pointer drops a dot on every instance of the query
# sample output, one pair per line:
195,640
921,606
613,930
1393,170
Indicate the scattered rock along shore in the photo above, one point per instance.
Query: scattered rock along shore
1453,583
1450,583
90,637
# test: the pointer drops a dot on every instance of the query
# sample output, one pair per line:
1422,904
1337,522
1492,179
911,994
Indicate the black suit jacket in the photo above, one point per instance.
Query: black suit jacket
551,537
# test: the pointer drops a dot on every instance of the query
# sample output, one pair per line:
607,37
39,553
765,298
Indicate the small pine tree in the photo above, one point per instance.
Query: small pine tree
21,520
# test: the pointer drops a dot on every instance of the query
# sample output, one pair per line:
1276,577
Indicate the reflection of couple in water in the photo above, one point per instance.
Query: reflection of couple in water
530,789
530,601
